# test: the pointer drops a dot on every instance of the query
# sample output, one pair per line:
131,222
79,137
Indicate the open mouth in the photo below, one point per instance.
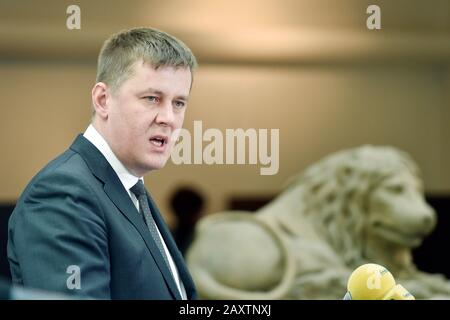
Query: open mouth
158,141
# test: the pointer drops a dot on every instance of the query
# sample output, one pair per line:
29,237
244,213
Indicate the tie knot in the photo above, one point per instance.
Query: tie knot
138,189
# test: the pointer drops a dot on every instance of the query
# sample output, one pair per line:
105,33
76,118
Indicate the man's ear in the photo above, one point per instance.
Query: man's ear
100,96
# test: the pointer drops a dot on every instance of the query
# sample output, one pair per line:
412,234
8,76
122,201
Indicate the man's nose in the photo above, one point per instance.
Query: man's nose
165,115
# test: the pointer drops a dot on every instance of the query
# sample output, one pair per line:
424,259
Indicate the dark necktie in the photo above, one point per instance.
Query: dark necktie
139,191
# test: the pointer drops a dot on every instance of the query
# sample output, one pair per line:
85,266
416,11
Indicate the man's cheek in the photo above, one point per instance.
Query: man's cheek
180,118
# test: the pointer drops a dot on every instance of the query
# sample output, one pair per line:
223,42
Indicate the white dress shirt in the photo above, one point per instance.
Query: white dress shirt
128,181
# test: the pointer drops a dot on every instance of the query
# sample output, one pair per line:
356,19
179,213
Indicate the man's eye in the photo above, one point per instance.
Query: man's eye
152,99
179,104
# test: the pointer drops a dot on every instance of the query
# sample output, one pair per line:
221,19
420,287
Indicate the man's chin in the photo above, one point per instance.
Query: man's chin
155,165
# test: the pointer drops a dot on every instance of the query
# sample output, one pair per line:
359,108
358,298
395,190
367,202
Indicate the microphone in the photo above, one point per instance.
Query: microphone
374,282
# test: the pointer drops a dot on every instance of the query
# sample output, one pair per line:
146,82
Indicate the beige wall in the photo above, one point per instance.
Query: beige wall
446,124
43,107
317,109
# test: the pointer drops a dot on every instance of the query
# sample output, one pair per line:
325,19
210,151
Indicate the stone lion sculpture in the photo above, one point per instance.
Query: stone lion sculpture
363,205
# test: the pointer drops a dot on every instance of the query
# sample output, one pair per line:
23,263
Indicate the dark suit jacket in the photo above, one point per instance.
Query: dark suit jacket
76,212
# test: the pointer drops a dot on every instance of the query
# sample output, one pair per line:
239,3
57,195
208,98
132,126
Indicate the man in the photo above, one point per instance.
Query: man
85,224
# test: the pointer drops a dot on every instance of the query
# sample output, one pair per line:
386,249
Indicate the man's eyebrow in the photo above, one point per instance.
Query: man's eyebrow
184,98
155,91
149,89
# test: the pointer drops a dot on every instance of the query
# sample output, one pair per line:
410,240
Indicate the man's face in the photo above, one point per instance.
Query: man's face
144,112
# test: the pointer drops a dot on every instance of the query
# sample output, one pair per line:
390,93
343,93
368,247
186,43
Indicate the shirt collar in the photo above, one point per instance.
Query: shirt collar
128,180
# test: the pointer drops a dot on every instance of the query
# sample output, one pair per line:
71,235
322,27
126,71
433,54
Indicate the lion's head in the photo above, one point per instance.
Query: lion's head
364,193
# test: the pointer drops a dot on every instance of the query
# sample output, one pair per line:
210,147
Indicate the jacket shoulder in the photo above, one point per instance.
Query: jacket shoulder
69,166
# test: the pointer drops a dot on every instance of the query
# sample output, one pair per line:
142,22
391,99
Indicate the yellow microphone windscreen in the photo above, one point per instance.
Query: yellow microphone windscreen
370,282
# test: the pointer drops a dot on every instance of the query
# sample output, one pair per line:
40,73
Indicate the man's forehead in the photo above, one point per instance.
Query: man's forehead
146,76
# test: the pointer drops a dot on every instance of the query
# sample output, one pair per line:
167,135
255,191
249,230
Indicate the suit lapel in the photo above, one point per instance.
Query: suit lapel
119,196
126,206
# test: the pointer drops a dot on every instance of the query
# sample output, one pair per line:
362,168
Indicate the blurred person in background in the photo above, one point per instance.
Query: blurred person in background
187,204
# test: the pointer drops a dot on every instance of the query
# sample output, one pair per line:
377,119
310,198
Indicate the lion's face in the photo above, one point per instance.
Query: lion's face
356,199
398,212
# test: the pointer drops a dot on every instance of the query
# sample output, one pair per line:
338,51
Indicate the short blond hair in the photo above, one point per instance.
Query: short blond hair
123,49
